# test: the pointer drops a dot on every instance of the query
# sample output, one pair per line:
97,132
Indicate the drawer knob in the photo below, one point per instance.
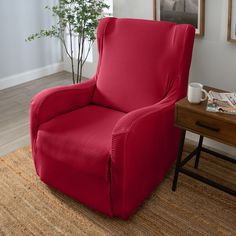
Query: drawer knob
203,125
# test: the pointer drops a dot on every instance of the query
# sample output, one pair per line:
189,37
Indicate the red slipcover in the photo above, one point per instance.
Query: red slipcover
108,142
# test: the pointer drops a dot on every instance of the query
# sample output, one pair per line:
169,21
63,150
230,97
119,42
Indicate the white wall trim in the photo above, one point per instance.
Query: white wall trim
16,79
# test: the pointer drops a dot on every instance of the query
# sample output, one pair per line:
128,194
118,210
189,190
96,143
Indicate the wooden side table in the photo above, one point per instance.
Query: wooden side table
217,126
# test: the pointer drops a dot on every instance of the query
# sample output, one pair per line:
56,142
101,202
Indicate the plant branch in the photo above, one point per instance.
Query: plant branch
78,57
72,53
81,18
81,58
89,49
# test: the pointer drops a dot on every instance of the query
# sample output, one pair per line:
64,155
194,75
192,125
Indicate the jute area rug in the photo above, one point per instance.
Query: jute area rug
28,207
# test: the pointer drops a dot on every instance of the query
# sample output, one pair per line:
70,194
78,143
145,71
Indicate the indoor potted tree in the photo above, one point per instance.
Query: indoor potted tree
79,19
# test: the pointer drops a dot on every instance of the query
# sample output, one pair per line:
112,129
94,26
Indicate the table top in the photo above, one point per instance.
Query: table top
201,109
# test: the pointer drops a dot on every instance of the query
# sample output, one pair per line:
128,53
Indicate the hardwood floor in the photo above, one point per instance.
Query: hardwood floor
14,110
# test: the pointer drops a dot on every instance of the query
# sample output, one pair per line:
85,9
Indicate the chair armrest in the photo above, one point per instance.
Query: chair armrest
144,146
56,101
128,122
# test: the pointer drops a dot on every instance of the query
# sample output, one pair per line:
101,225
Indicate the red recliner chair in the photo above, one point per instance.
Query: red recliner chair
108,142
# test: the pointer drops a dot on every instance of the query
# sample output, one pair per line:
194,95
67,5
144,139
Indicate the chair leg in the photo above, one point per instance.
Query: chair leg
198,152
178,162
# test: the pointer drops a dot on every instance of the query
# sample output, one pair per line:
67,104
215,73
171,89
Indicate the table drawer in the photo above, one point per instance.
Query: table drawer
206,126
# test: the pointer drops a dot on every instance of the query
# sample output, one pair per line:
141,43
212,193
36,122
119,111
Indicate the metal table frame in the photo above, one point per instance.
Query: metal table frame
196,152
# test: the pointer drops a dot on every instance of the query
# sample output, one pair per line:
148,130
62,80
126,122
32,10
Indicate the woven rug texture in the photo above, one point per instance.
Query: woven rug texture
29,207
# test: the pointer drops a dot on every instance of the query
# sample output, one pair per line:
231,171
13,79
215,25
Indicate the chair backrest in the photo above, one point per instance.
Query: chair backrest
139,60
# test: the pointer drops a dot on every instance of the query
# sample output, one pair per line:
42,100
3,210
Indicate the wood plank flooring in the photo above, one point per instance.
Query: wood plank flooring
14,110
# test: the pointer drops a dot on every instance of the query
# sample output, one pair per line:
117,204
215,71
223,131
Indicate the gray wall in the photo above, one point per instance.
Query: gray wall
18,19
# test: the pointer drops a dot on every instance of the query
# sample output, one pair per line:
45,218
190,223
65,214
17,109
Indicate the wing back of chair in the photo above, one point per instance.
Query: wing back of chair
140,60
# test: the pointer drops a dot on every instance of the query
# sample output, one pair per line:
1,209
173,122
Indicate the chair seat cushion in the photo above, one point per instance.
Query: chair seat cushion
80,139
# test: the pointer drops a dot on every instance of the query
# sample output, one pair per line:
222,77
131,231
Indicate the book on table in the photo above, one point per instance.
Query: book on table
221,102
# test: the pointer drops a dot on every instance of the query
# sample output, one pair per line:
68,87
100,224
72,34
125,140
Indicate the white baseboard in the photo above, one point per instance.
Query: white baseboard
30,75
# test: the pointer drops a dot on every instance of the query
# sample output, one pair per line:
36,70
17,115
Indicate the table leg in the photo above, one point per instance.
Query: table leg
198,151
178,161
